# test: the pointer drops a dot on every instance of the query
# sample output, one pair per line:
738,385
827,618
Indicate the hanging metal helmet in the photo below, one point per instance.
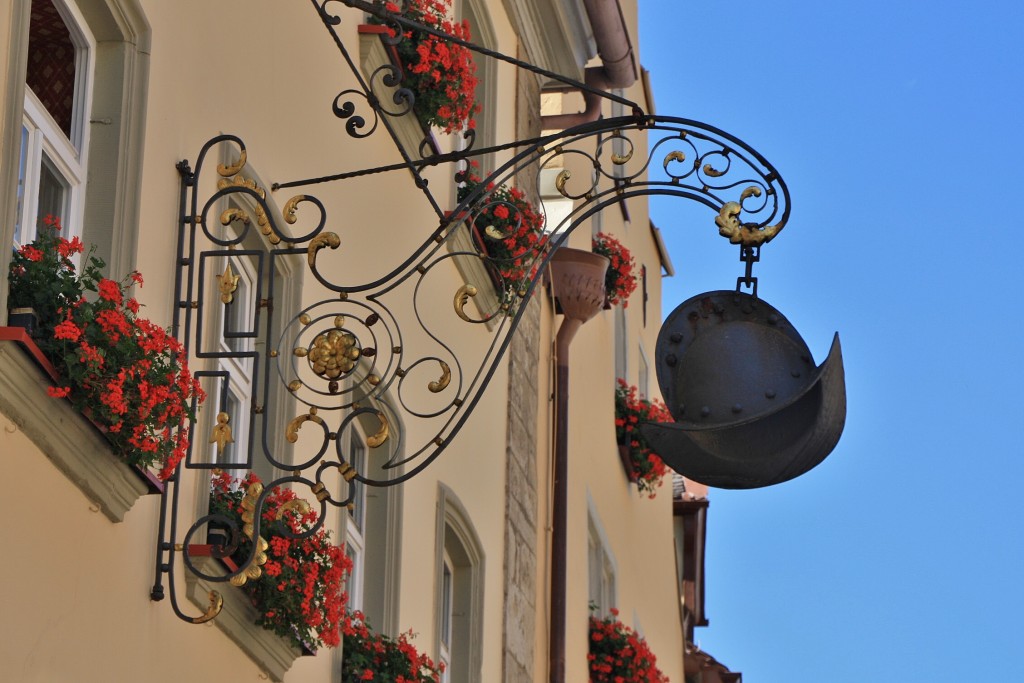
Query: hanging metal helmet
751,408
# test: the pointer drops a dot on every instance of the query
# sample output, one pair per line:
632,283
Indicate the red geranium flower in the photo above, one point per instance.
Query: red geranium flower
619,280
127,373
510,228
630,409
305,602
441,74
618,655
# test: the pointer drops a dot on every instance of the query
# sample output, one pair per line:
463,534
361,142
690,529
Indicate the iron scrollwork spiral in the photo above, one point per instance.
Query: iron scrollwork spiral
390,353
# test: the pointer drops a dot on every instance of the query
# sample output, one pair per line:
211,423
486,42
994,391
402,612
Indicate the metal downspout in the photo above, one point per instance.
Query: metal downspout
617,68
578,281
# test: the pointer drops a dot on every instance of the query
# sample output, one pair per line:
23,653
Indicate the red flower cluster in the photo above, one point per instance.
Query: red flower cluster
511,229
441,74
370,656
618,655
630,411
301,596
620,281
124,372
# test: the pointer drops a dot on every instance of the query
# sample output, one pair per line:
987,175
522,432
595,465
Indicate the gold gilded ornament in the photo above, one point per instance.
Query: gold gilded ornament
441,384
291,432
462,296
290,207
216,605
221,434
333,353
324,239
230,170
227,282
381,436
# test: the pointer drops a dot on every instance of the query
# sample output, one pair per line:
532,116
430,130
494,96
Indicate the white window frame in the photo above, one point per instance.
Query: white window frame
601,567
621,340
643,379
42,137
482,31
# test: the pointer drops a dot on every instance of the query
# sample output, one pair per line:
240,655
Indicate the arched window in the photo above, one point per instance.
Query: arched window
459,595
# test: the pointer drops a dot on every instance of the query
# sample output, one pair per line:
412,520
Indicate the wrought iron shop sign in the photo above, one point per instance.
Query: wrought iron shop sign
385,355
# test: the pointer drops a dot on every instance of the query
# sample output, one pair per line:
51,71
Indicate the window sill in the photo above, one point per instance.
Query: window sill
237,618
70,441
373,54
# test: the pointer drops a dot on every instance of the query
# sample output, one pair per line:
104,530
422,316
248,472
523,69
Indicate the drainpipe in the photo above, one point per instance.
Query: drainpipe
577,278
617,68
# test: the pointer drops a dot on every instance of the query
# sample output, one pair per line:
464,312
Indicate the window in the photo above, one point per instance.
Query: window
354,521
237,321
557,208
69,148
643,375
372,525
235,394
621,344
482,33
371,531
459,591
600,569
54,133
643,283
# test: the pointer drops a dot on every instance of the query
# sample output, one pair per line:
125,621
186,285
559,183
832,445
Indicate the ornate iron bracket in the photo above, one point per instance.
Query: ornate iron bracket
383,353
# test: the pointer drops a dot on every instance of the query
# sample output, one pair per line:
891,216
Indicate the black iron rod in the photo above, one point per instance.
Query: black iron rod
422,163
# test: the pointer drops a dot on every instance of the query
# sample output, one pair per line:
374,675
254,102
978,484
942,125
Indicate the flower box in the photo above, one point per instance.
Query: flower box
24,318
627,462
476,271
304,609
124,373
237,618
72,443
416,139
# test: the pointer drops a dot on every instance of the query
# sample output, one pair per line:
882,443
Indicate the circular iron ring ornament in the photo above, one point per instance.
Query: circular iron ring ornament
751,408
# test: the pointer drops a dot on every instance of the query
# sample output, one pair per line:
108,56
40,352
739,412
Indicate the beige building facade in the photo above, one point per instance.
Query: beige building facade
461,552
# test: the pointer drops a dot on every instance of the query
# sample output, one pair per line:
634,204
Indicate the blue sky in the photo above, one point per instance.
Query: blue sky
898,128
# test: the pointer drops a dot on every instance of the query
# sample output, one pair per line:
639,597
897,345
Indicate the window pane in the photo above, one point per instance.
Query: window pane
353,582
51,63
237,317
53,192
446,605
357,458
20,238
